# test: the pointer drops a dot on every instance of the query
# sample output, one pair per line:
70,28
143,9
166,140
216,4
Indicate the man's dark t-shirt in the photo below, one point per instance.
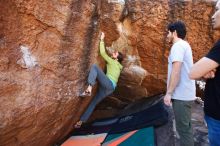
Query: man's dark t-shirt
212,89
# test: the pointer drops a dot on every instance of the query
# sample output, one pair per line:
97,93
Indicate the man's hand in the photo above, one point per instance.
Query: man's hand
167,99
102,36
201,67
210,74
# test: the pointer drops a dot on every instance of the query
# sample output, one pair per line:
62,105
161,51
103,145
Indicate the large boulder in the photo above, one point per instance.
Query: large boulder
47,48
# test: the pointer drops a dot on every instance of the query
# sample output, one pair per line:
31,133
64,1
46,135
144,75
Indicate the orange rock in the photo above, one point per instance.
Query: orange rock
39,89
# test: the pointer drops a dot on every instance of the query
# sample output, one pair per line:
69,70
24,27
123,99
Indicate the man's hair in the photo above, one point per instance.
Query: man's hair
120,57
179,27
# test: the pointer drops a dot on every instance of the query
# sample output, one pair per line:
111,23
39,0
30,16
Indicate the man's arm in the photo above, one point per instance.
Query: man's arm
203,67
173,82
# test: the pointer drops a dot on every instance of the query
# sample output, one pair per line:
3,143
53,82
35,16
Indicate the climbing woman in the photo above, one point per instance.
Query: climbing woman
107,82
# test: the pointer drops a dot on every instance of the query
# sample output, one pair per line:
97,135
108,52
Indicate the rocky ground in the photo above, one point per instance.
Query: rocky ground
199,126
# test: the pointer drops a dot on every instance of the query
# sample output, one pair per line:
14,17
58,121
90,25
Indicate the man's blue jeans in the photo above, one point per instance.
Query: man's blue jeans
213,131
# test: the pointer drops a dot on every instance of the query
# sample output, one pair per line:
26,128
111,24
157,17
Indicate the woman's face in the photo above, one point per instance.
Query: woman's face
115,55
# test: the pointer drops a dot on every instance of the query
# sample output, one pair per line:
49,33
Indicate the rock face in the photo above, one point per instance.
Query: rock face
47,48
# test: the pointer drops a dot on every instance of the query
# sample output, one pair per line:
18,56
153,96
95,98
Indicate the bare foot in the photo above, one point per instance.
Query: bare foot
89,89
78,124
87,92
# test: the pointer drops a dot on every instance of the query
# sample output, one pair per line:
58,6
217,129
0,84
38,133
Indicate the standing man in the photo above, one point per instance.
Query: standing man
208,68
179,86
